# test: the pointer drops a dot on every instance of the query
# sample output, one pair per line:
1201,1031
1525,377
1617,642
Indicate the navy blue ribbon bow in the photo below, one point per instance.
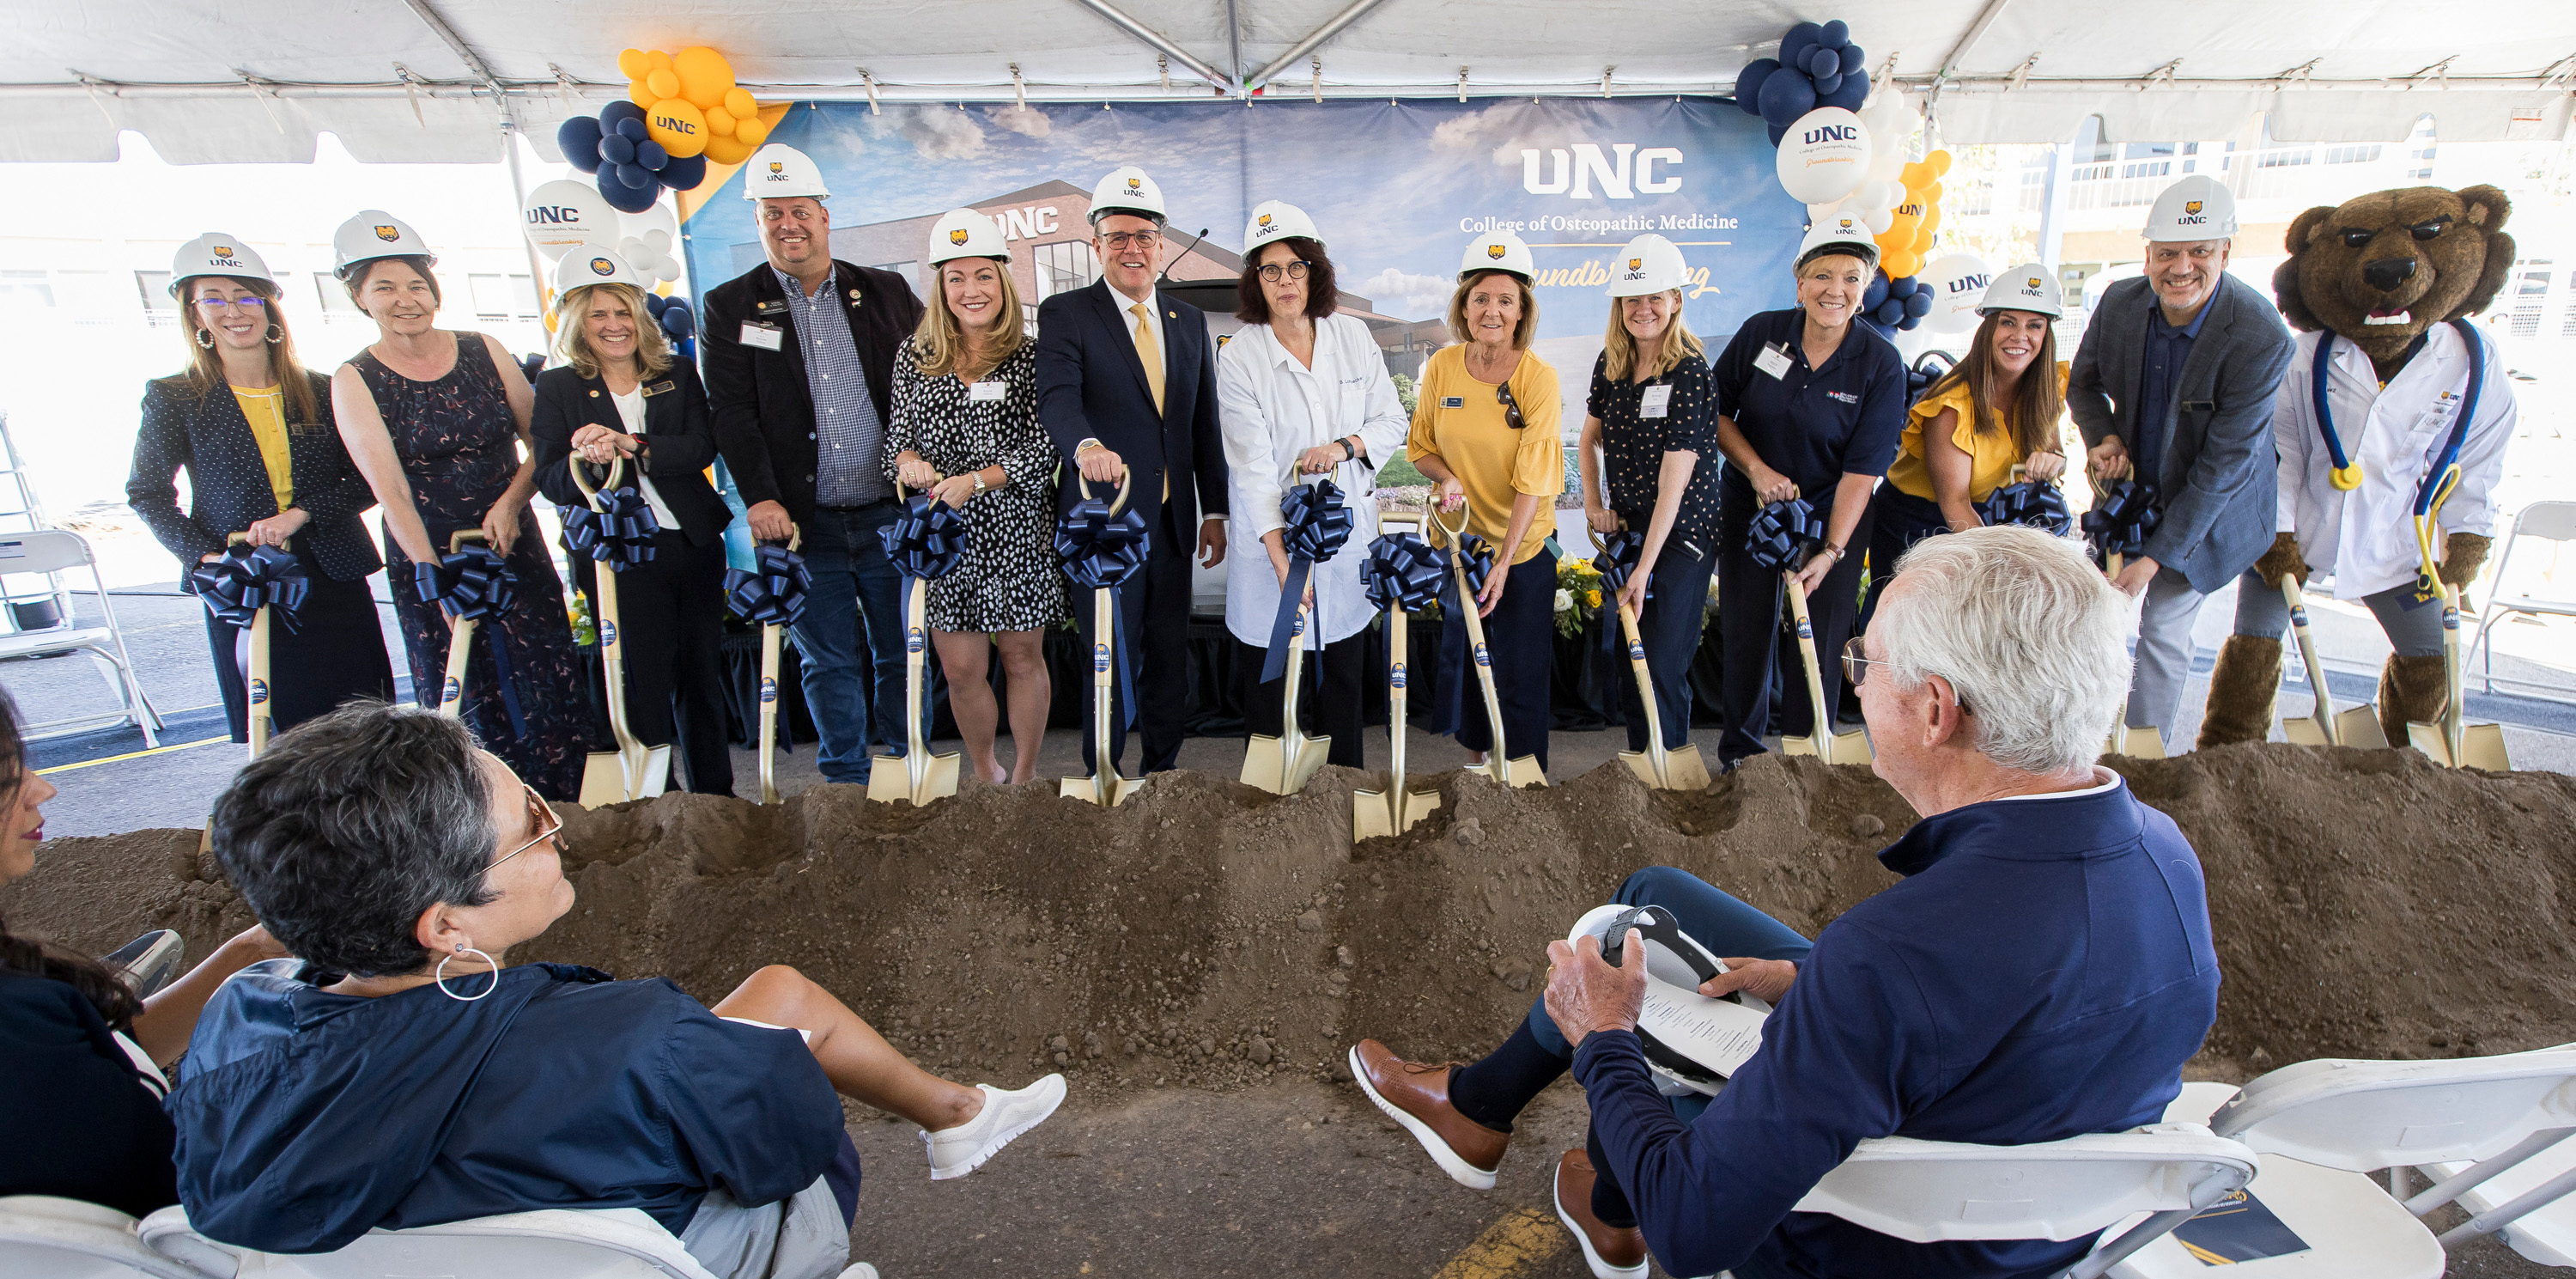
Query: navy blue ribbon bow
1620,552
927,540
2121,520
619,535
249,578
1100,551
1480,563
1781,536
1318,524
475,584
1402,571
773,592
2028,502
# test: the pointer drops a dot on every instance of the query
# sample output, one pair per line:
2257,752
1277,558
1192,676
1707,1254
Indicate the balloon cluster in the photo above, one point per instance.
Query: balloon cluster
1915,215
772,593
1818,66
630,160
676,319
1891,305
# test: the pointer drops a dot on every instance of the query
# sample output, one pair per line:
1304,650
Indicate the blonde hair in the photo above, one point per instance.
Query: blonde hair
1521,334
572,335
205,372
1619,348
939,342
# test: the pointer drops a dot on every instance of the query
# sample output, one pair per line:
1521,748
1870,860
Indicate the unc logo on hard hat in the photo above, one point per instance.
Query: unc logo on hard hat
1635,263
957,236
223,250
1494,251
2031,283
776,166
602,266
2191,206
1135,184
387,233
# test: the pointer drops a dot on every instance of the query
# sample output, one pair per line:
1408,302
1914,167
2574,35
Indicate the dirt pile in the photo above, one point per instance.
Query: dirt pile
2365,903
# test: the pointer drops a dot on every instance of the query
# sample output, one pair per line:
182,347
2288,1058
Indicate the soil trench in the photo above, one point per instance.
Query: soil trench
2365,904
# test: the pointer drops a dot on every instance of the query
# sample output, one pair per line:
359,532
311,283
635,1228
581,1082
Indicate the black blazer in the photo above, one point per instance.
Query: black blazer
764,416
683,443
228,483
1091,385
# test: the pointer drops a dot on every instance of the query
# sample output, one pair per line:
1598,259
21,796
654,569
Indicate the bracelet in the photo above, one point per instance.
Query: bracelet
1835,551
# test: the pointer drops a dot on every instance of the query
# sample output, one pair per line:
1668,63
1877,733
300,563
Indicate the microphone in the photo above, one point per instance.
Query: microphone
1166,276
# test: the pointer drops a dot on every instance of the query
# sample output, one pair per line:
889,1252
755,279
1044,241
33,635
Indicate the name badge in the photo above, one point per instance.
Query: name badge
2438,414
1657,401
768,337
983,392
1773,360
659,387
774,307
308,429
1453,401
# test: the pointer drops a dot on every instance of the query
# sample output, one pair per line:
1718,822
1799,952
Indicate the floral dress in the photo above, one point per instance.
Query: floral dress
1008,580
457,439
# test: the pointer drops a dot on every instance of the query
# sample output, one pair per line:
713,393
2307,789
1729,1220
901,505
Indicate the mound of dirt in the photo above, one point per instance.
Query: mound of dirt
2366,904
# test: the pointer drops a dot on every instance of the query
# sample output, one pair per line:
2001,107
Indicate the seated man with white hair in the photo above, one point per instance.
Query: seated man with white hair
2042,971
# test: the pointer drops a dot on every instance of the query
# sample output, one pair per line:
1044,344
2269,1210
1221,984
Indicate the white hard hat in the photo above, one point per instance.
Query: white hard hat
1276,220
2028,287
1498,251
2195,208
1844,229
216,253
375,234
778,172
964,233
1650,264
1127,190
589,263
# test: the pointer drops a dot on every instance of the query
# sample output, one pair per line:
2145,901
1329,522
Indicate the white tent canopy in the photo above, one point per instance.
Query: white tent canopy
212,81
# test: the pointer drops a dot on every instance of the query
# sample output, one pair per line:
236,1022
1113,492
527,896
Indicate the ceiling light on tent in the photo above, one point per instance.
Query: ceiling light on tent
1462,84
1019,88
1605,80
871,83
1319,81
1163,67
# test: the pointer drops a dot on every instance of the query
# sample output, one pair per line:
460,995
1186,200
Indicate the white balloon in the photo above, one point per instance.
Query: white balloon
1824,156
1958,283
657,240
1879,219
658,217
563,214
1886,158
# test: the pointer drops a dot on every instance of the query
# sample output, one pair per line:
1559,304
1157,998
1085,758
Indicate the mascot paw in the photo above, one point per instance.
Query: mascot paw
2241,689
2462,556
2283,560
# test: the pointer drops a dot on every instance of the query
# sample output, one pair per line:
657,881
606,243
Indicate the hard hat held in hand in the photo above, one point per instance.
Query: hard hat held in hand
216,253
1127,190
2192,209
964,233
1650,264
375,234
779,172
2028,287
589,264
1276,220
1847,232
1498,251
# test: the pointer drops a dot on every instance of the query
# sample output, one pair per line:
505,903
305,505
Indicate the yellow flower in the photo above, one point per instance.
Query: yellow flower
1593,598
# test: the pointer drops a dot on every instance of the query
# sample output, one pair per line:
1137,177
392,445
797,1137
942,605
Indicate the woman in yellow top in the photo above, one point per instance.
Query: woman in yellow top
265,460
1485,435
1979,421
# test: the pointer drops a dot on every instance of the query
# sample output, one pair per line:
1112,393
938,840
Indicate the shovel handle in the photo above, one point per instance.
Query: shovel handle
1125,475
581,477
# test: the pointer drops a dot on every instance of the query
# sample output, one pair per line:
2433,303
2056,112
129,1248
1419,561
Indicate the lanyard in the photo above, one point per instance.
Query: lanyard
2445,474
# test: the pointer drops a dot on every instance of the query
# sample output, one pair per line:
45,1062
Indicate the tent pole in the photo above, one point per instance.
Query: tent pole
1298,51
519,216
1119,18
2052,205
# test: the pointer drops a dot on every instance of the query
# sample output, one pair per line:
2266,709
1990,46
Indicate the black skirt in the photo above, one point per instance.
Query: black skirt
333,653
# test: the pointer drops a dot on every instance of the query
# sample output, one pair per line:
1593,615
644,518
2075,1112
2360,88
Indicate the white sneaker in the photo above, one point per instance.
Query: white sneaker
955,1152
860,1271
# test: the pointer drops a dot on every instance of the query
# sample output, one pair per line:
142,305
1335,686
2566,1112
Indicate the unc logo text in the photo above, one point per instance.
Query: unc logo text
1624,174
554,215
1832,133
673,123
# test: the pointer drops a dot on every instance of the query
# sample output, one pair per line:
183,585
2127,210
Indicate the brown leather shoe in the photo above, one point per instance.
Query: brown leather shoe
1416,1095
1612,1253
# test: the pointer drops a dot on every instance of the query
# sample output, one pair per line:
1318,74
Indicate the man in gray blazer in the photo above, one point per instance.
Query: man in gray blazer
2173,385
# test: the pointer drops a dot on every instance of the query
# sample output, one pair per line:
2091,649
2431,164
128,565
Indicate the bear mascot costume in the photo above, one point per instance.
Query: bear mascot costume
2391,426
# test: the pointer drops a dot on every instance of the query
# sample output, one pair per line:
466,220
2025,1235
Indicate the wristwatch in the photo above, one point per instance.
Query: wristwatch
1835,551
980,485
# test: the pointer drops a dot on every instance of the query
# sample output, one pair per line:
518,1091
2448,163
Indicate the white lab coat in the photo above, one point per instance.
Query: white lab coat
1273,409
2366,538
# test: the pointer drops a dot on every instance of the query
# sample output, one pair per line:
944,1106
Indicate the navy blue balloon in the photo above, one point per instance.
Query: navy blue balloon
1801,38
617,148
655,302
1891,311
650,154
1777,132
1835,34
578,139
627,199
1875,293
1786,96
684,173
633,130
1821,62
1918,303
1849,95
1748,83
678,320
610,115
1827,86
637,176
1852,58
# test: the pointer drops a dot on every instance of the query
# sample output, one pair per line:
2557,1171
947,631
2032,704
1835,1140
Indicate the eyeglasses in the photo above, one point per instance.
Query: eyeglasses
1511,407
253,302
1856,667
540,815
1294,270
1121,239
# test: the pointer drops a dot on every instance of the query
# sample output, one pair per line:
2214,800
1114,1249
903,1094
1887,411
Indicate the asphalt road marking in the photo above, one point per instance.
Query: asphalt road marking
1511,1246
113,759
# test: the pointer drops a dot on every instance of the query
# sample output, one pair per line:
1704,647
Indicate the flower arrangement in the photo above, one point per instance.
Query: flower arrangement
1578,595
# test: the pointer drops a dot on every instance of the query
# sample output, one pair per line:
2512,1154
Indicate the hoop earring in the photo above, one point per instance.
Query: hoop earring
205,340
276,333
438,977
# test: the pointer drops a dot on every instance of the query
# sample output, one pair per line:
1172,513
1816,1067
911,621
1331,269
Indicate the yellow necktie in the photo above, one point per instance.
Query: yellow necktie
1150,352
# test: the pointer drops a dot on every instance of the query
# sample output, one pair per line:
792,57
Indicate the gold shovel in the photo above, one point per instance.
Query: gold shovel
1283,765
633,770
769,694
924,776
1822,742
1394,810
259,711
1498,765
2136,743
1104,786
2323,725
2452,742
460,640
1677,768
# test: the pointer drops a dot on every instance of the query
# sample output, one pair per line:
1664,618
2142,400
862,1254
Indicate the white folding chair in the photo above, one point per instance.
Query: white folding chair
44,1237
560,1243
2544,521
1932,1191
54,551
2322,1126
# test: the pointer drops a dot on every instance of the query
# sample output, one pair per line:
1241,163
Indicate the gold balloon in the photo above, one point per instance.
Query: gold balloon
663,83
751,132
739,105
719,123
632,64
728,150
678,126
705,76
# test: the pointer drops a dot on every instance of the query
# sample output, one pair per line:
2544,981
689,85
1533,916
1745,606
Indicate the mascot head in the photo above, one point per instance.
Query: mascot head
2382,268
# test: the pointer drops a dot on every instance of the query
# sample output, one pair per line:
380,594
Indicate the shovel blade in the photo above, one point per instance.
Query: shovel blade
1265,764
1372,815
2359,726
1684,770
1847,748
1417,805
2303,731
657,771
1797,746
2136,743
1092,790
1310,757
2428,738
1523,771
2482,746
890,779
1642,764
603,779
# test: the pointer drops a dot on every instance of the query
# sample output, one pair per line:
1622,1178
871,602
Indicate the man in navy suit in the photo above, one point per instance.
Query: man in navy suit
1127,385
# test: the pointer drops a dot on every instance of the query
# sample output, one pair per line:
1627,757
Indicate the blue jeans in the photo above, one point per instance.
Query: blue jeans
855,585
1729,928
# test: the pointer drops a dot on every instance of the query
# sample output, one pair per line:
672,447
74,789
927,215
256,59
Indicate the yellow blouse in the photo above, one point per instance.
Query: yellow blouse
266,410
1462,420
1991,454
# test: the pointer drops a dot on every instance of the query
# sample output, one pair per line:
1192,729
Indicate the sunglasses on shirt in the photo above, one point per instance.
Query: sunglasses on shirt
1511,407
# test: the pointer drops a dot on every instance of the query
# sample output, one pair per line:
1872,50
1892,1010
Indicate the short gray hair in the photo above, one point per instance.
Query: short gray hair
349,826
2029,633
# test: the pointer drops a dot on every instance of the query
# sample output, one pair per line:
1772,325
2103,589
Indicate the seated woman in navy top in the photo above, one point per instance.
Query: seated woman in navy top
399,1075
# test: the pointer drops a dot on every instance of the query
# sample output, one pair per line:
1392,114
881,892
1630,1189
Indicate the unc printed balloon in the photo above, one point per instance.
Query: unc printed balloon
562,214
678,125
1824,157
1957,283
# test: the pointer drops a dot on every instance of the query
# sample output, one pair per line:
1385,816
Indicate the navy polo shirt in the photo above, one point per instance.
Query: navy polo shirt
1814,425
2168,349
